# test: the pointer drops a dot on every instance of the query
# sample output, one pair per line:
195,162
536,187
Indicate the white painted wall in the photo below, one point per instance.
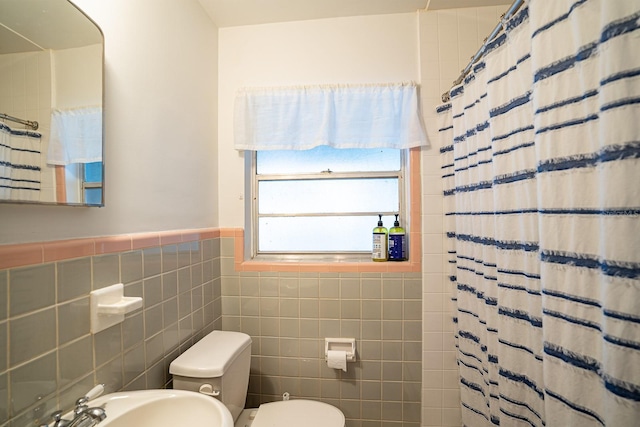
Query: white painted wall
160,127
363,49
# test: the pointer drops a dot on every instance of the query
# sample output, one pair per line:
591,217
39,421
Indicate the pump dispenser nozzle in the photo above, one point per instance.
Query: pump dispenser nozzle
380,220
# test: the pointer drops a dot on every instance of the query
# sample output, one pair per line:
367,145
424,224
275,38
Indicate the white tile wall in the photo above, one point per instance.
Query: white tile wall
448,39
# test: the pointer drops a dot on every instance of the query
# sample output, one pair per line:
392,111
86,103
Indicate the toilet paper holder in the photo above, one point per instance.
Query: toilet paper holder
348,345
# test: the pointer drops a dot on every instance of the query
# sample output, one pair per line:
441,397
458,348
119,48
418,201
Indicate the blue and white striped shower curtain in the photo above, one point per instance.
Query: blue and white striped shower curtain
542,191
20,171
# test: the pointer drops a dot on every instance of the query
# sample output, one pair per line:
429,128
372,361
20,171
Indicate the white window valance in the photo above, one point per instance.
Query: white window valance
341,116
76,136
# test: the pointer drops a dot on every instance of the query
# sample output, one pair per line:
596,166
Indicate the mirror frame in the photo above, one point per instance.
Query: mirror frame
59,171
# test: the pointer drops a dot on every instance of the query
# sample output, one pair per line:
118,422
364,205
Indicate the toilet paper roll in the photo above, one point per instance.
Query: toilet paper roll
337,359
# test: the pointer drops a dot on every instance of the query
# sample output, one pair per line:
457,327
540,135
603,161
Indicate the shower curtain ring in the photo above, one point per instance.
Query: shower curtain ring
503,21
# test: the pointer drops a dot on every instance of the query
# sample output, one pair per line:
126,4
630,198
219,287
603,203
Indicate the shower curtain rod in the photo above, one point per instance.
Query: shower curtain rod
32,124
480,53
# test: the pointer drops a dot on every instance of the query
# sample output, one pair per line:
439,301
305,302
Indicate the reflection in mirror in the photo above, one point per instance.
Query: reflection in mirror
51,92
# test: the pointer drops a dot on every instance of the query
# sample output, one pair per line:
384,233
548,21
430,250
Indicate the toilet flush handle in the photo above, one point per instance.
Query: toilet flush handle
208,390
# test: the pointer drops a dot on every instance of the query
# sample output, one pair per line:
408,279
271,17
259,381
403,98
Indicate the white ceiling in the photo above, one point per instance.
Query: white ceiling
45,24
231,13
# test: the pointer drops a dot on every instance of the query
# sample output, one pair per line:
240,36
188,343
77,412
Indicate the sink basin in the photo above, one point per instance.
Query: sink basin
160,408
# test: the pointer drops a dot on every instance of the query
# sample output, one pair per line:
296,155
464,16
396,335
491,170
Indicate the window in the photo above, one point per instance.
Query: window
324,200
83,183
92,183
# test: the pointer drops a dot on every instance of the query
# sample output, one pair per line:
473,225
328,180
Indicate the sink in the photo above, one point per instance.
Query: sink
162,408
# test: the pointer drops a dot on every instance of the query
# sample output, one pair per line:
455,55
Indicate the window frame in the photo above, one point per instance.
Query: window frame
71,184
91,185
252,217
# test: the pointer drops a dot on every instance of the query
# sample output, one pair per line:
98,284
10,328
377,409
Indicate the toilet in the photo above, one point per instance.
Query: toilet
218,366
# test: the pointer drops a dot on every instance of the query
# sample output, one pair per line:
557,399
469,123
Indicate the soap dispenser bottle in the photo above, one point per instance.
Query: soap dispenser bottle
380,242
397,242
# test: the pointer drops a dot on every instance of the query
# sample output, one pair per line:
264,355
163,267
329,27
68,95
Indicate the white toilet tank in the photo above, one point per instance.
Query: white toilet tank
221,359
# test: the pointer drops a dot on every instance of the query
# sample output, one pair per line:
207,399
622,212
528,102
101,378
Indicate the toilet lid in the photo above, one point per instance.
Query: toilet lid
307,413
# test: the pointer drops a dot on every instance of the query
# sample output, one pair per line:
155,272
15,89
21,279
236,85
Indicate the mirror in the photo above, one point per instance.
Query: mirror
51,98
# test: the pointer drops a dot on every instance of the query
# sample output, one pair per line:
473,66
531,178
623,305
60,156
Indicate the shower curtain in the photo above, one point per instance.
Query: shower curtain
540,159
20,156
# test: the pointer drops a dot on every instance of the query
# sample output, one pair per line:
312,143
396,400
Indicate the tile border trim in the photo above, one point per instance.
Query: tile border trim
21,255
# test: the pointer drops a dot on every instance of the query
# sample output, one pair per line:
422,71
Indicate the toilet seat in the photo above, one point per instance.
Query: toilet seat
307,413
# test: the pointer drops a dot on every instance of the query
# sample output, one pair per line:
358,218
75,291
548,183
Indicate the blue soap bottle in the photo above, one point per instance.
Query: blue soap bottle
397,242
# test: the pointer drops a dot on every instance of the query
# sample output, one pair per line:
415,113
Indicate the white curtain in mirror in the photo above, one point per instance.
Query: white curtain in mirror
76,136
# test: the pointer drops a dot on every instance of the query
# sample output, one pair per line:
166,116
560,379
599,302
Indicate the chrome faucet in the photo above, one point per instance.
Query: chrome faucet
83,415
